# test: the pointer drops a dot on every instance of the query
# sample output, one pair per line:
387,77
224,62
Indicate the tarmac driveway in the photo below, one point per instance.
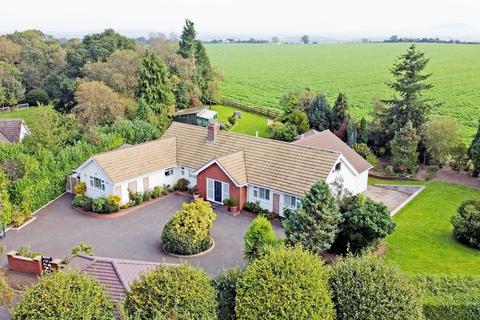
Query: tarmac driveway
57,228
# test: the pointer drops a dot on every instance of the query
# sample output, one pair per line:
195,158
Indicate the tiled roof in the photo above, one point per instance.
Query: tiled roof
127,163
11,129
278,165
3,138
188,111
328,141
235,165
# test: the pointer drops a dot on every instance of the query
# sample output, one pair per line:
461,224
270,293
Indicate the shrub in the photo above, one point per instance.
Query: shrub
450,297
254,207
226,202
232,120
156,192
135,198
188,231
316,224
259,234
365,222
37,96
182,184
64,295
172,292
80,189
6,293
432,171
147,196
363,150
466,223
112,204
368,288
233,202
98,205
287,283
226,286
83,202
389,171
25,251
114,200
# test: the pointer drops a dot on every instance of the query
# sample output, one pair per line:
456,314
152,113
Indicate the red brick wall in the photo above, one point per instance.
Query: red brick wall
216,173
23,264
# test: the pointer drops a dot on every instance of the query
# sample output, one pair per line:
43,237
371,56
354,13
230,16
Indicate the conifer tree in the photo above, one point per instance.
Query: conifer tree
319,113
404,149
187,40
363,135
339,112
474,153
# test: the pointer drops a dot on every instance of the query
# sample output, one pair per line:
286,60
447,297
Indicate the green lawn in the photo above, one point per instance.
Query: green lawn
249,124
258,74
28,115
423,241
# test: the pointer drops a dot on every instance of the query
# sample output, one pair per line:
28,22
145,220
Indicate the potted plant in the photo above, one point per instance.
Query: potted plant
195,193
226,204
233,205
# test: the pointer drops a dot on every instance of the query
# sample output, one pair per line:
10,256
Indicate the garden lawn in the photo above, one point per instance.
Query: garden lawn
423,241
249,124
28,115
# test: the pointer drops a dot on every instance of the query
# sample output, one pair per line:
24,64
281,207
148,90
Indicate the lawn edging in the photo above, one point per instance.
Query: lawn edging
124,212
190,255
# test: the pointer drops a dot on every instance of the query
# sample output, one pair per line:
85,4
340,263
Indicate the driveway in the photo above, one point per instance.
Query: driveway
136,236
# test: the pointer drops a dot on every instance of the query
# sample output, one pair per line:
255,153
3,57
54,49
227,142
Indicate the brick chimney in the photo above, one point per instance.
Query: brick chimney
212,132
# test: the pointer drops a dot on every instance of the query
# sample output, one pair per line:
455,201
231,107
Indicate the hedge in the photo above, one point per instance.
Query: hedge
172,292
450,297
226,286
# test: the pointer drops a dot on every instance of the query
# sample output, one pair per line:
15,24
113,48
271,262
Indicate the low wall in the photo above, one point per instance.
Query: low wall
28,265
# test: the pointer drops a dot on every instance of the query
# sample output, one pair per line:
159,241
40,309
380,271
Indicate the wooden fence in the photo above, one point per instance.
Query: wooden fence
15,108
264,111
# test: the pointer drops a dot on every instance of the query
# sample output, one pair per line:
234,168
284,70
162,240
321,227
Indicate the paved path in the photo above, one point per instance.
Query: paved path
57,228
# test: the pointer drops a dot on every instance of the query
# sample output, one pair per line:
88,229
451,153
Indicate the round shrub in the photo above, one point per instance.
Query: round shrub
37,96
83,202
368,288
182,184
98,205
64,295
466,223
188,231
172,292
287,283
226,286
80,188
259,234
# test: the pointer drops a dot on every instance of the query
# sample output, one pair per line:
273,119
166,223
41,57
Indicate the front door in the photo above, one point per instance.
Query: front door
276,203
217,191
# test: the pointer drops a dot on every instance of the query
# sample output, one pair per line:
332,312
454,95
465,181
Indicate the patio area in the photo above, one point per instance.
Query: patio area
57,228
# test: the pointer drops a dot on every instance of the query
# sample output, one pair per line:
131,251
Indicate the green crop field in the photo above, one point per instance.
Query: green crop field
259,74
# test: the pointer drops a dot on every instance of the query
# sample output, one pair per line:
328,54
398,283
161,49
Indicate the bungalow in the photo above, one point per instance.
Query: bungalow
13,130
221,164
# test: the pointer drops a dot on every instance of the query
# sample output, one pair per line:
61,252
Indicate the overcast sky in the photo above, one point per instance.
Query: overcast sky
247,17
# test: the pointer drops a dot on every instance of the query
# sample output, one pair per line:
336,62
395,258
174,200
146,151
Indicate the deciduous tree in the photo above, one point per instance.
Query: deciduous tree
440,136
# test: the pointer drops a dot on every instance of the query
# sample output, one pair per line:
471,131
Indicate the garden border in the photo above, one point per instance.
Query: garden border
200,254
123,212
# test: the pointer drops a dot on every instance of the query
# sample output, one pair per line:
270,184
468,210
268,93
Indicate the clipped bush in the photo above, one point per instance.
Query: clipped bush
182,184
147,196
287,283
466,223
450,297
64,295
135,197
36,97
188,231
80,189
368,288
254,207
225,284
172,292
260,233
98,205
83,202
365,223
156,192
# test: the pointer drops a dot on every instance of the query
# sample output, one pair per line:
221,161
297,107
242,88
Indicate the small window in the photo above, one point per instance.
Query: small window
291,202
97,183
338,166
168,172
182,170
261,193
191,173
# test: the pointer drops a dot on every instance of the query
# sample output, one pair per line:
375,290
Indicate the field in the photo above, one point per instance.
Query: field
423,241
249,124
260,74
28,115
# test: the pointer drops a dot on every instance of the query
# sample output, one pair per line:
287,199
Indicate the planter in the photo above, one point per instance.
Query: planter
226,207
212,246
196,196
234,209
29,265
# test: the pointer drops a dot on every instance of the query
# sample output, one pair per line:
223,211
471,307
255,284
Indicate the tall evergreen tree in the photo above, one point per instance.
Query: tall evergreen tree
187,40
156,102
404,149
315,224
409,84
319,113
474,153
363,135
339,112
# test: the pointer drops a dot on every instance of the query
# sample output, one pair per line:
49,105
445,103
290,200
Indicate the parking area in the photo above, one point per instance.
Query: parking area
57,228
394,197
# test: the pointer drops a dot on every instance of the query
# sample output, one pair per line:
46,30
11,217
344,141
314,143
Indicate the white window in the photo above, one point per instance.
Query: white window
291,202
191,173
168,172
261,193
97,183
210,189
182,170
225,191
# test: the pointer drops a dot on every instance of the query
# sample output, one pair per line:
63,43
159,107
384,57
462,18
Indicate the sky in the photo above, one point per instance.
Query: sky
260,18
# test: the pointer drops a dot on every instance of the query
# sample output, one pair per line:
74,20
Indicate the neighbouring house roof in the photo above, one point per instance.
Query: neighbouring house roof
278,165
187,111
3,138
116,275
207,114
11,129
328,141
274,164
127,163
